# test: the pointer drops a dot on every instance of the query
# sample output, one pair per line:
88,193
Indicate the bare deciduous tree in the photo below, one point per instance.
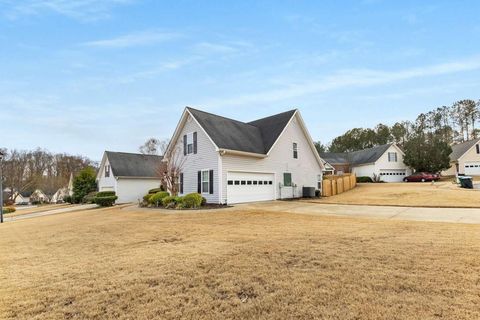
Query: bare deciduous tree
154,146
170,169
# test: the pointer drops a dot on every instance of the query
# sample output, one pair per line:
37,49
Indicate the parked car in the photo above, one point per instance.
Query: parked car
422,177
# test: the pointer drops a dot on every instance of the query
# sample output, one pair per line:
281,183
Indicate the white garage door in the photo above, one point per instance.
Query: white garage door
392,175
472,168
249,187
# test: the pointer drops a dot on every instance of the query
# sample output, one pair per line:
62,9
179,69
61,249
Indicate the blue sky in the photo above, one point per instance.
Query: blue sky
84,76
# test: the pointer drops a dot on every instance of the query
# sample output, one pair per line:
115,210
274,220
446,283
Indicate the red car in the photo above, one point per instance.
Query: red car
422,177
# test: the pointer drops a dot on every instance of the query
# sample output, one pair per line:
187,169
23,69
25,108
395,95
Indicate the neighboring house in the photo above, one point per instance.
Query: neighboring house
385,161
63,192
328,168
20,198
230,161
130,175
39,196
464,159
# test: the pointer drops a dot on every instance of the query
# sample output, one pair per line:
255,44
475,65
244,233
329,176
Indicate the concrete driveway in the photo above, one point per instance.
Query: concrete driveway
456,215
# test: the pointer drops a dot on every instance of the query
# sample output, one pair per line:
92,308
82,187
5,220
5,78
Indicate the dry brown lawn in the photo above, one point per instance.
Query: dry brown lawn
236,264
440,194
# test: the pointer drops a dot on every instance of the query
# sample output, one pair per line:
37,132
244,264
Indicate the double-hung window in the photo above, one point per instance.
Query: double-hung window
392,157
205,181
295,150
190,143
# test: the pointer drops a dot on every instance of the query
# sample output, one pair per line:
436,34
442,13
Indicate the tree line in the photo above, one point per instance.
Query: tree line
24,171
425,141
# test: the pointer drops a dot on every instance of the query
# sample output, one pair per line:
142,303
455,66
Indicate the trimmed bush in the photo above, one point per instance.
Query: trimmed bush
90,197
146,197
105,194
364,180
155,190
204,201
8,210
68,199
317,193
106,201
192,200
170,201
157,197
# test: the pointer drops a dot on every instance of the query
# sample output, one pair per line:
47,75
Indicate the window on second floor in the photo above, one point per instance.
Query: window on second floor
295,150
190,143
392,157
107,171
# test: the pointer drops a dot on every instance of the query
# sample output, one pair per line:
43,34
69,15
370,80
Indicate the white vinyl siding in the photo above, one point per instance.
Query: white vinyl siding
279,161
106,182
206,157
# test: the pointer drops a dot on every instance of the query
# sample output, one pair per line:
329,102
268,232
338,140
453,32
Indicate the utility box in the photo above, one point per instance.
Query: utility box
308,192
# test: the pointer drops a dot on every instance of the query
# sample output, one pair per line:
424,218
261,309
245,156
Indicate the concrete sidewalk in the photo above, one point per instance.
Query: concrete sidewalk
455,215
50,212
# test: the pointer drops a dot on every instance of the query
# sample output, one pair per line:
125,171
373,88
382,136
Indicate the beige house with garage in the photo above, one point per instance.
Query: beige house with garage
464,159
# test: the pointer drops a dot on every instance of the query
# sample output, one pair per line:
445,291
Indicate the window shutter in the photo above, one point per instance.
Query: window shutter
211,182
199,184
181,183
478,148
185,145
195,142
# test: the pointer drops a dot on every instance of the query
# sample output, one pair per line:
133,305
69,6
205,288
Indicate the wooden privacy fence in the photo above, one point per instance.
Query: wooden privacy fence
333,185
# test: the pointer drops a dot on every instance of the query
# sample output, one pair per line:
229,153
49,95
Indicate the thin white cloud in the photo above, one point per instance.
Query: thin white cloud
133,39
86,10
347,78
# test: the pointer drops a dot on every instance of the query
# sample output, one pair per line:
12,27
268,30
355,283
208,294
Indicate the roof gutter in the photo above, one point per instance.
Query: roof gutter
241,153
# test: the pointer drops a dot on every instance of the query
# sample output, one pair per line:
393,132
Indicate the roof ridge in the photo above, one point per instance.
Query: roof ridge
223,117
273,115
134,153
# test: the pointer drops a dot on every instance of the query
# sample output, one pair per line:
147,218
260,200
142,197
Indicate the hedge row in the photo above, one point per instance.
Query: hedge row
162,198
7,210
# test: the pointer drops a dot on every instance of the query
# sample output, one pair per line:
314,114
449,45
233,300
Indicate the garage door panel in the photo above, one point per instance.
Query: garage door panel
472,168
392,175
250,187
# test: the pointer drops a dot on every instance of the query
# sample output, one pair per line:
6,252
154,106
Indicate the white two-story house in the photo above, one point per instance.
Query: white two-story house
230,161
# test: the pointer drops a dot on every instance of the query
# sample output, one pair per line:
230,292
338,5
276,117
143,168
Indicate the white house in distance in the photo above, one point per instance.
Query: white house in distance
465,159
130,175
385,161
230,161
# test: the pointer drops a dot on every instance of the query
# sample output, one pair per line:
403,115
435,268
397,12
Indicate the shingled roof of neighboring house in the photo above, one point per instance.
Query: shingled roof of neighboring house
125,164
335,157
356,157
459,150
257,136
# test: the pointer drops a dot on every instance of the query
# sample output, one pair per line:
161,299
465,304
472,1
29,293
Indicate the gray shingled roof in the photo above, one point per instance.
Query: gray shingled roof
459,150
368,155
335,157
357,157
257,136
125,164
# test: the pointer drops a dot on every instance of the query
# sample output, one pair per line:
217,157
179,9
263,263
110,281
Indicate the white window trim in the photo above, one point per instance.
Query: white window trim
189,142
394,156
207,181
